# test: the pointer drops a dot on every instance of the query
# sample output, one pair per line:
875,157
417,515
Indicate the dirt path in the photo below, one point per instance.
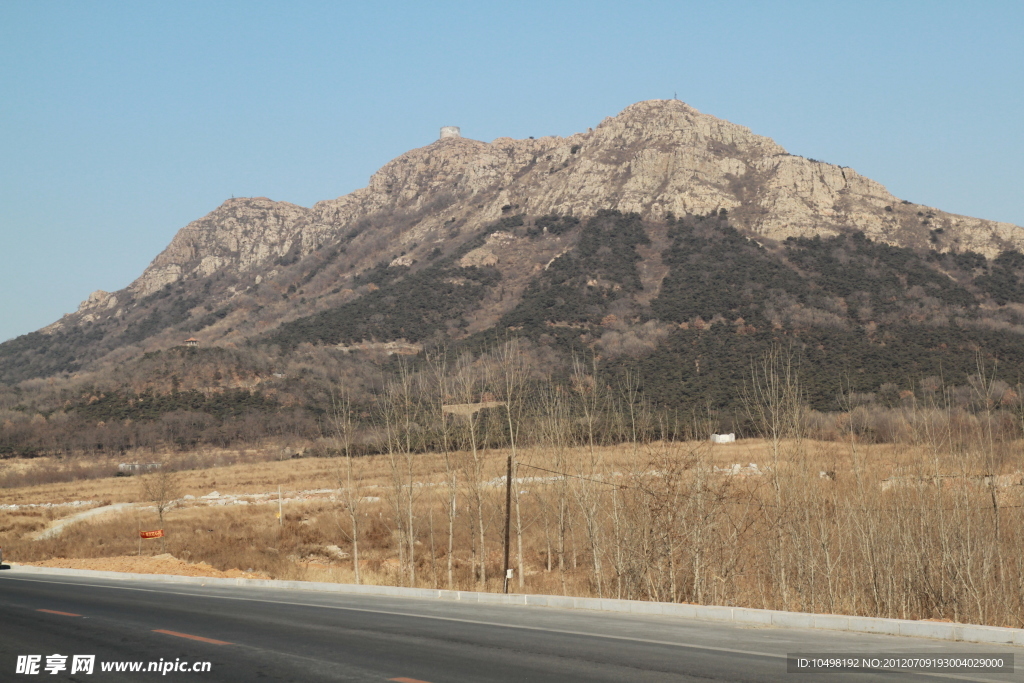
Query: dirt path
58,526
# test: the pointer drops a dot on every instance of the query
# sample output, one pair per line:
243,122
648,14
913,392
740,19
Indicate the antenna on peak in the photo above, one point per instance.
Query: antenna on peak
675,96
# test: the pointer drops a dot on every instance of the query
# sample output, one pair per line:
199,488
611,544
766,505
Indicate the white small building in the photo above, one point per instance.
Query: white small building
723,438
138,466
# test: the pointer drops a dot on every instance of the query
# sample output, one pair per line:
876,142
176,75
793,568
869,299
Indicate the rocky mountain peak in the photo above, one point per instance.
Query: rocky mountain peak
655,158
242,233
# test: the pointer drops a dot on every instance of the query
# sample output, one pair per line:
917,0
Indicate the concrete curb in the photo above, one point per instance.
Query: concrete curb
739,615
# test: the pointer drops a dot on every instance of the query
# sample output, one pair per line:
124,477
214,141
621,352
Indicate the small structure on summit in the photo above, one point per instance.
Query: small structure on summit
191,341
450,132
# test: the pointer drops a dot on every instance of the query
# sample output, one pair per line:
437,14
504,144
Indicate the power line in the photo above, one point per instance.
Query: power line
576,476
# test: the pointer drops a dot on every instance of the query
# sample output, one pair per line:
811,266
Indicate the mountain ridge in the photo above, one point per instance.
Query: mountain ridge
253,264
646,152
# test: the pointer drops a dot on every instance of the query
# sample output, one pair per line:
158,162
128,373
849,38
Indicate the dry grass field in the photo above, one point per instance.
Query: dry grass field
913,530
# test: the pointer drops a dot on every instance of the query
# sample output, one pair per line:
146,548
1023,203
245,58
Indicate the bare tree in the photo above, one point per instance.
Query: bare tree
554,433
444,391
586,488
514,371
400,412
471,381
161,488
774,402
348,491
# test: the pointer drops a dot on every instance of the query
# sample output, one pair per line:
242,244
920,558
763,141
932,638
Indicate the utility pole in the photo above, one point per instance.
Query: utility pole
508,509
280,513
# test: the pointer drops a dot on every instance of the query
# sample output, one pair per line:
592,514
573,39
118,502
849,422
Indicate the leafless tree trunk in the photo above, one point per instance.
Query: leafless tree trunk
588,495
400,411
514,373
554,434
470,381
161,488
445,392
773,401
341,422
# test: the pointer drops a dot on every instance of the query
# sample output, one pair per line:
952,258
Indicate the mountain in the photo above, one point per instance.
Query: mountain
655,158
618,239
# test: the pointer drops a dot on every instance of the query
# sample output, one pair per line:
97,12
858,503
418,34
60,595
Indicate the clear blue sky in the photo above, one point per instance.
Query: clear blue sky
120,122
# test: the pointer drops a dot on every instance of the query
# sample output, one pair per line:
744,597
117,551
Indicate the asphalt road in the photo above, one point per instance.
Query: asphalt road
257,634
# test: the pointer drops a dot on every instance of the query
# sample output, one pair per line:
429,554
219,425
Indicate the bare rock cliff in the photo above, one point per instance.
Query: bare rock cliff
240,234
654,158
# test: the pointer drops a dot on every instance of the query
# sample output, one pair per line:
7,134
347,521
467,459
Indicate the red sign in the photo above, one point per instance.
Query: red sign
159,533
